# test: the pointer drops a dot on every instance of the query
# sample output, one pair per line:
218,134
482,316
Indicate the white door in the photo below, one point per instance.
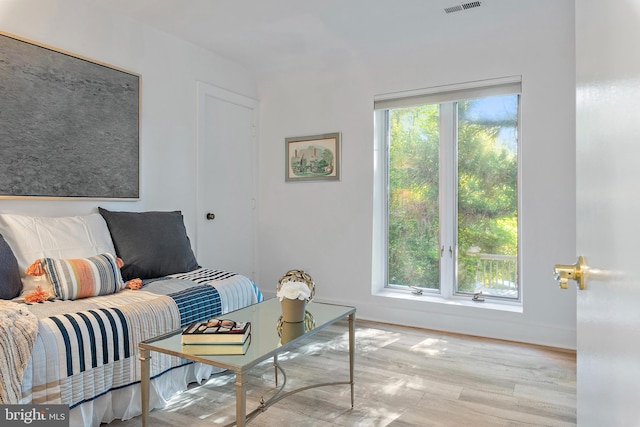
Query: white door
225,235
608,211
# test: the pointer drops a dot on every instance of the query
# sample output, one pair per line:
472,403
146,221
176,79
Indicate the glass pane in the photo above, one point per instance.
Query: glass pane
413,237
488,196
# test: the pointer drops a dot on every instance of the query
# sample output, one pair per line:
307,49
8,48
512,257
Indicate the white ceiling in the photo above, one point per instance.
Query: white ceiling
272,35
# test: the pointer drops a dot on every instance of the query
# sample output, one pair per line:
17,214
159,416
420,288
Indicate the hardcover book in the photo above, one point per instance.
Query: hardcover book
216,348
216,332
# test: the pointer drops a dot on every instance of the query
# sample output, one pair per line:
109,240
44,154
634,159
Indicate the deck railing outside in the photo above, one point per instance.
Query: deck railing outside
497,275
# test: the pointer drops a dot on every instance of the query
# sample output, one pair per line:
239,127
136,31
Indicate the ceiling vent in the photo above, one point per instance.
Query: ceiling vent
463,6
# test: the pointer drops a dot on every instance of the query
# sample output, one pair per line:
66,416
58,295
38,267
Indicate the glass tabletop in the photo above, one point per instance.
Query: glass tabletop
269,335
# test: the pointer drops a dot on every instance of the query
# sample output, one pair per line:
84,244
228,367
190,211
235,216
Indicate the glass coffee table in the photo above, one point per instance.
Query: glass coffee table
269,337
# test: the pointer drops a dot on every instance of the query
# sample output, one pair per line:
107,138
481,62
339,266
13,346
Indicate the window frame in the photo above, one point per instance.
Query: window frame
447,97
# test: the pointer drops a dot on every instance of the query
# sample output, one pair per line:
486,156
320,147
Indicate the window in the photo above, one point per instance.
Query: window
448,190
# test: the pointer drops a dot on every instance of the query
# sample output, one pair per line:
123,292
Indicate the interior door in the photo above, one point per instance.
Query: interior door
226,180
608,211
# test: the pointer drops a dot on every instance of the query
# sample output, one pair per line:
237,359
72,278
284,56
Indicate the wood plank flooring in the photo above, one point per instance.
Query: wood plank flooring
404,377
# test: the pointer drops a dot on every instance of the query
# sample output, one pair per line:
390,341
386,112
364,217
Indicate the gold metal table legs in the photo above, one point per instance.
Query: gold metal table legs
242,418
352,346
145,357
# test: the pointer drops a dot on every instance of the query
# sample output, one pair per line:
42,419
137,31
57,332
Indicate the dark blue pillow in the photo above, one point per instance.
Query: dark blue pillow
10,283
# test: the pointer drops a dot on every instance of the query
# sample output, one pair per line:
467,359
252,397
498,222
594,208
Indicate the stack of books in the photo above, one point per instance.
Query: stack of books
214,338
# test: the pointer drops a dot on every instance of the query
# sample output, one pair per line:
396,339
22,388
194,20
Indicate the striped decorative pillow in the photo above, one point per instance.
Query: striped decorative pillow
81,278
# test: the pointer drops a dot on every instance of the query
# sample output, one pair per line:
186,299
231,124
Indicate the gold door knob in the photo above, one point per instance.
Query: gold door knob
563,272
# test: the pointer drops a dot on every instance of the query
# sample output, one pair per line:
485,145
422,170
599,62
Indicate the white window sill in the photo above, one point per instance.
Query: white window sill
488,304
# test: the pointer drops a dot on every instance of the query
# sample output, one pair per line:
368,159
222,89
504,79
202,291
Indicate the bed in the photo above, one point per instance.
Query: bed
80,350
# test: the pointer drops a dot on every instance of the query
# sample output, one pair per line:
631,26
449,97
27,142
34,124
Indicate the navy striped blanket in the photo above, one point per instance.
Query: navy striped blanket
89,347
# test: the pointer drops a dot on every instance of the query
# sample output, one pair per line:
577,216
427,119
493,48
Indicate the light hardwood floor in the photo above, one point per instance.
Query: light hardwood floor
404,377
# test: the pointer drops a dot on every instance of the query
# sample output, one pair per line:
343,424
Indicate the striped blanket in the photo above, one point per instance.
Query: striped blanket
18,331
89,347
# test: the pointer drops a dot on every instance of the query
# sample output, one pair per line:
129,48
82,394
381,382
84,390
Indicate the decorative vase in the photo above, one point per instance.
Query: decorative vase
290,331
298,276
293,310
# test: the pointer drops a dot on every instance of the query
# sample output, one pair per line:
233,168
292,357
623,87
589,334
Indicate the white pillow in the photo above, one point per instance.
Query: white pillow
34,237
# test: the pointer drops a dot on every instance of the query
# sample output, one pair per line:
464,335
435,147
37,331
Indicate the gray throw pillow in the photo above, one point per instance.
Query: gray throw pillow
151,244
10,283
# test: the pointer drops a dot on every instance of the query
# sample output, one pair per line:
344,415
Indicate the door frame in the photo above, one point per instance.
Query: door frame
205,90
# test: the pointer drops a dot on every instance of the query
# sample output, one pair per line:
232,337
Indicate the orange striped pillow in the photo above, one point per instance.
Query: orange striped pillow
81,278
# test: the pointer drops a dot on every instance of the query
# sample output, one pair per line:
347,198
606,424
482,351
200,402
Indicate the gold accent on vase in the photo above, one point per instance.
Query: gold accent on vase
298,276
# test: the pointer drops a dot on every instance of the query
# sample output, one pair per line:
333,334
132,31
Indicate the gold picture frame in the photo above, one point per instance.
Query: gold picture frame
313,158
69,125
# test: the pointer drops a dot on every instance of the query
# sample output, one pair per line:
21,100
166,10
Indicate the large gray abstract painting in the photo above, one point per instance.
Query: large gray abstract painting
69,127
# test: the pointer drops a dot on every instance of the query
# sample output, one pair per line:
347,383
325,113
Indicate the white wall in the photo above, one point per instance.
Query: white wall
169,69
326,227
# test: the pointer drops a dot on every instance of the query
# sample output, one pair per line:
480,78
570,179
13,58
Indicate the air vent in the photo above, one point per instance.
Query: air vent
463,6
471,5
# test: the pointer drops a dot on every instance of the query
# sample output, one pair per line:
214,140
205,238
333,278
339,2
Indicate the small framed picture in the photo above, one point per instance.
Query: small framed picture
313,158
